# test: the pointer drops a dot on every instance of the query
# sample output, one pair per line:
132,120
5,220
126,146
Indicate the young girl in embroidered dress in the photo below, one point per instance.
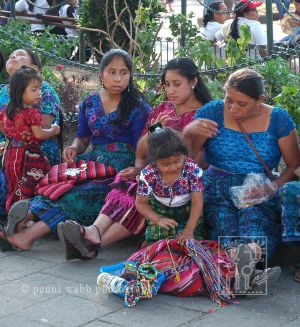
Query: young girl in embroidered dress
169,191
21,122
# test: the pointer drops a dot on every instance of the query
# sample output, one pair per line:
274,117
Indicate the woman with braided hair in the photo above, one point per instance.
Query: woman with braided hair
246,13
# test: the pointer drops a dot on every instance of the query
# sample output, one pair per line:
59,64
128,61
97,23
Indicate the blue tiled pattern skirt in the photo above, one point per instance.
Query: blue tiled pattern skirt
259,223
290,195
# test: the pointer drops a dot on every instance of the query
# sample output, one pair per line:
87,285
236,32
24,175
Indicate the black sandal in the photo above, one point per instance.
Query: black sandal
17,213
262,279
69,250
74,236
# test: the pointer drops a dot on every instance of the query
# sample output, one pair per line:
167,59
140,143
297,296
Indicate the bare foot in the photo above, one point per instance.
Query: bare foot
16,240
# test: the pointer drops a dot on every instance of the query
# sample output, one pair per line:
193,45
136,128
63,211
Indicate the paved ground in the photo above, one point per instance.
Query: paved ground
38,288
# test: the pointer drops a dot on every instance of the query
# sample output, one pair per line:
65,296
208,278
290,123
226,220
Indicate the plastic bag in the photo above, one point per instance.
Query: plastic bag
257,188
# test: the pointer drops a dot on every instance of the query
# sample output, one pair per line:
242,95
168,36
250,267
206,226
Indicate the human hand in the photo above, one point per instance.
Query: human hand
2,146
55,129
69,153
163,119
202,127
130,173
186,234
254,195
167,223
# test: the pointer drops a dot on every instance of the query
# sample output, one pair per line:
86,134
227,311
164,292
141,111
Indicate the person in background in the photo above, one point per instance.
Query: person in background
282,9
6,7
291,26
169,5
33,7
213,21
246,13
69,9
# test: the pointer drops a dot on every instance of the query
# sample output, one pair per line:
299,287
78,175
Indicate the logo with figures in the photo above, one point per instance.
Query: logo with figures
248,255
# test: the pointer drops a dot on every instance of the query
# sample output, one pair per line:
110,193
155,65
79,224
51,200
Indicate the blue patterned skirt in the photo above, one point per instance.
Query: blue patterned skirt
259,223
84,201
290,195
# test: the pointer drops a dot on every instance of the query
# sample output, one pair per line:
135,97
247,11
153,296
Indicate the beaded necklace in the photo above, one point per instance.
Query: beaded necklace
141,287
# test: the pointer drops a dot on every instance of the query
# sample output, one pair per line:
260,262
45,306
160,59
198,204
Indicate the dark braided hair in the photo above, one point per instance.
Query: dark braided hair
240,10
17,86
31,4
164,143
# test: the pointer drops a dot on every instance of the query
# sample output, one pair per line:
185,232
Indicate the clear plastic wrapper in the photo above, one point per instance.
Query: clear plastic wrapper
257,188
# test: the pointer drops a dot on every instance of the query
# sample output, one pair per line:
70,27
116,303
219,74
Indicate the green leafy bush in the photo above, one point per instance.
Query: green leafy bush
114,22
16,34
194,45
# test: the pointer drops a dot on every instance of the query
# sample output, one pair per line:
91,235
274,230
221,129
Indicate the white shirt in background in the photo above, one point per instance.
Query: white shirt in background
68,11
211,29
22,5
258,36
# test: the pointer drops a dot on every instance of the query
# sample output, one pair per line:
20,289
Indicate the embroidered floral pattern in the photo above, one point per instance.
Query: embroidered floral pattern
151,181
20,126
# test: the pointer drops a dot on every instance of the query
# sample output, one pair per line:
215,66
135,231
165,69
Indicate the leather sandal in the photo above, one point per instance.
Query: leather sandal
17,213
297,275
245,262
262,279
69,250
74,234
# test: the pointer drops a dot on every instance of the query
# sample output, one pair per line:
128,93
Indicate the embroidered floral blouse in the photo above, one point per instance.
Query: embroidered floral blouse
20,127
93,122
175,194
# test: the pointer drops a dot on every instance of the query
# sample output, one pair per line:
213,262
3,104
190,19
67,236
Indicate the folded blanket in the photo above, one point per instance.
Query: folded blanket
62,177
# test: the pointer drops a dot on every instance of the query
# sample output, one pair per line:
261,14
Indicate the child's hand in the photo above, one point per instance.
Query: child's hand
167,223
186,234
55,129
163,119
